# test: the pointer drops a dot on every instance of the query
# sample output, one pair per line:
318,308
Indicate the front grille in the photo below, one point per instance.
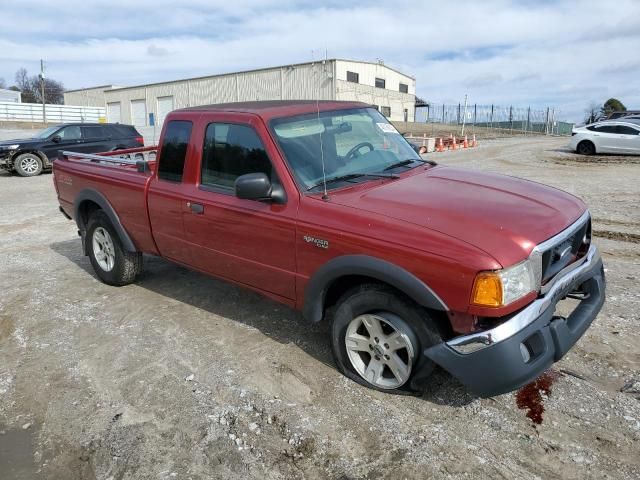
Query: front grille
566,251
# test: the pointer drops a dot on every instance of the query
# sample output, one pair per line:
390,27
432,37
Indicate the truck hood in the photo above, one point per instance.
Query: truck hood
504,216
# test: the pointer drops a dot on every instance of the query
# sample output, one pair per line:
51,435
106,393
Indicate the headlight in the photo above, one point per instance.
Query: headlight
12,147
502,287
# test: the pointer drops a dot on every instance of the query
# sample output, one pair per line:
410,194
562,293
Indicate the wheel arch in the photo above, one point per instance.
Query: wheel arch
43,158
89,200
328,282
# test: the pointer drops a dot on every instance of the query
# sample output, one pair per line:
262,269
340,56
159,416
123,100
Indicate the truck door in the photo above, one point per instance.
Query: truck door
246,241
166,192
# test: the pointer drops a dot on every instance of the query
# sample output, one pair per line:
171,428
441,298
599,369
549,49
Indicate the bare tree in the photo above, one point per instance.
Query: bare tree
31,90
592,113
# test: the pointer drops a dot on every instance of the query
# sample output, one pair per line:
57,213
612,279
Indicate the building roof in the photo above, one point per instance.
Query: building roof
277,108
112,87
105,87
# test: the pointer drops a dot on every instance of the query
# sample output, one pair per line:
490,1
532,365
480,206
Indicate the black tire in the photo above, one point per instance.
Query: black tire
125,265
586,147
28,165
397,310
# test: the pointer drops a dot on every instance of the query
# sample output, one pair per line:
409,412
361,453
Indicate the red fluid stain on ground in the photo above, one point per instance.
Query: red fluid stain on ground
530,396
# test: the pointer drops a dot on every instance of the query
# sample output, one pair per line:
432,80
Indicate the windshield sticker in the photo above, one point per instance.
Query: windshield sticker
387,128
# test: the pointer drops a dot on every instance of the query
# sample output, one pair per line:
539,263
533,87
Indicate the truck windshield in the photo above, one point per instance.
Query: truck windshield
353,144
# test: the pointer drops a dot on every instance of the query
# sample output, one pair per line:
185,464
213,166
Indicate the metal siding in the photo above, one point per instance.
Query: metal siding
377,96
259,85
9,96
213,90
308,82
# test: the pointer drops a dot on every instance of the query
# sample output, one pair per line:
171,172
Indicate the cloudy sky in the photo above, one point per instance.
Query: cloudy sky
541,53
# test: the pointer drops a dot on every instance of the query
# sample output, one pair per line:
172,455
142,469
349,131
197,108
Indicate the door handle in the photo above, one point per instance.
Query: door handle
196,207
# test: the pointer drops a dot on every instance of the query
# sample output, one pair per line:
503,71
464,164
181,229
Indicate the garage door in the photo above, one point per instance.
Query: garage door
139,113
165,105
113,112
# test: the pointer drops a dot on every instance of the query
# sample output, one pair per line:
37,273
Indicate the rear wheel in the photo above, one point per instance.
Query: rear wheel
378,337
586,147
111,262
28,165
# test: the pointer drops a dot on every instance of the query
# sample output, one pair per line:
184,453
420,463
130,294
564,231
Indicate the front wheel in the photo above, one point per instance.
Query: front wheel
28,165
378,337
111,262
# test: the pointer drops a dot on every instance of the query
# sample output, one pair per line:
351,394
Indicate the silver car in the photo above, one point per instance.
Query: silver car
607,137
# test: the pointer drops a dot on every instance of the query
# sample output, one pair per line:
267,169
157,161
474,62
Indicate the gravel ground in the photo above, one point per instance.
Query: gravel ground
182,376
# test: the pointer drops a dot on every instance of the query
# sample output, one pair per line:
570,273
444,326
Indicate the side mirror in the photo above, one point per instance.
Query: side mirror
253,186
56,139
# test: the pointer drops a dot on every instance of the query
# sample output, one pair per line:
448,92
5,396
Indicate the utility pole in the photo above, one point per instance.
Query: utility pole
464,114
44,108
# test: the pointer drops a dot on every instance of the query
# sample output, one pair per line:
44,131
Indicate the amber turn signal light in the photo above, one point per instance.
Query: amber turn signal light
487,290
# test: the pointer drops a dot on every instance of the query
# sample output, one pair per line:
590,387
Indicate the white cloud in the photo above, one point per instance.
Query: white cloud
564,54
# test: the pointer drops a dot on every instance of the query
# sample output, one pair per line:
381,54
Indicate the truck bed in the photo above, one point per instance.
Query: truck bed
120,176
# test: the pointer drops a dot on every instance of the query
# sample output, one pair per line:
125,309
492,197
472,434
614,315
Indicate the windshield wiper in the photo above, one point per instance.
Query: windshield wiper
402,163
351,176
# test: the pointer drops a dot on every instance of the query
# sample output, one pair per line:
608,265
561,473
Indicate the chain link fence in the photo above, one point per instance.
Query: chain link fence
487,120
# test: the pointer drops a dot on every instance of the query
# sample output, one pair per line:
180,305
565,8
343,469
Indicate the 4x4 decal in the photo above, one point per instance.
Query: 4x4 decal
318,242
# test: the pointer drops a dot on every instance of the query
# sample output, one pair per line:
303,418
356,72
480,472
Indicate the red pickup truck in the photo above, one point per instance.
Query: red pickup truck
325,207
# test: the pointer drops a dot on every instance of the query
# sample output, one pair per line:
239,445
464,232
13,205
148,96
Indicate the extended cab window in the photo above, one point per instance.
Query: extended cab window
230,151
174,150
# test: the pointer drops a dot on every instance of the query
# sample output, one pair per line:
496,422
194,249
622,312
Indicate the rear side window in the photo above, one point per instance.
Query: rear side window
174,150
92,133
623,129
230,151
119,131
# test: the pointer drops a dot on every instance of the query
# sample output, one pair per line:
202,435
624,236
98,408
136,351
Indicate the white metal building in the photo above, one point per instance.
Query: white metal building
10,96
391,91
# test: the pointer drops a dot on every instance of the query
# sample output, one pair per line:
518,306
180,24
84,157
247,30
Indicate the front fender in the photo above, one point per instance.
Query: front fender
389,273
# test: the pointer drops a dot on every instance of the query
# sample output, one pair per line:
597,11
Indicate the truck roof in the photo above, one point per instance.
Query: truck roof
277,108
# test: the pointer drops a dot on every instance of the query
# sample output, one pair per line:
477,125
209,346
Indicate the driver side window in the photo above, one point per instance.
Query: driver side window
70,133
230,151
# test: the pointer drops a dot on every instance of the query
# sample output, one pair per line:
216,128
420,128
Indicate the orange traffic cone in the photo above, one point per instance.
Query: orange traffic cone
473,142
453,145
440,145
465,144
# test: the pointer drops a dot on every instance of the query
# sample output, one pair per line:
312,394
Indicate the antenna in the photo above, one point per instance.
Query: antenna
325,196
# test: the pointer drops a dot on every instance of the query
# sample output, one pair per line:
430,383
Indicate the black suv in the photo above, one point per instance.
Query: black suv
30,156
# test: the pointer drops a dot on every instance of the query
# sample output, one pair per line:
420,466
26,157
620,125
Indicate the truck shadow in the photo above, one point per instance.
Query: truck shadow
278,322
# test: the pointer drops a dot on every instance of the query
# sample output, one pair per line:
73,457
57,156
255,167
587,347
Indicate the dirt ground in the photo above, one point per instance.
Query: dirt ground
182,376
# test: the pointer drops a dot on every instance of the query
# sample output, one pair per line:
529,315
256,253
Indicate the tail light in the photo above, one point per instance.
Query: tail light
140,140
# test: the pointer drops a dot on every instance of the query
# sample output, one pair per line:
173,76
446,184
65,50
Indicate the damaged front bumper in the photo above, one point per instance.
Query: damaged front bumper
518,350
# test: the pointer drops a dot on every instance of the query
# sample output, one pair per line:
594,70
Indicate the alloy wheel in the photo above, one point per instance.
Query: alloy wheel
29,165
379,351
103,249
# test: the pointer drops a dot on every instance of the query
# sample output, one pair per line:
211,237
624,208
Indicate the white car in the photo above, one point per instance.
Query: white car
607,137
